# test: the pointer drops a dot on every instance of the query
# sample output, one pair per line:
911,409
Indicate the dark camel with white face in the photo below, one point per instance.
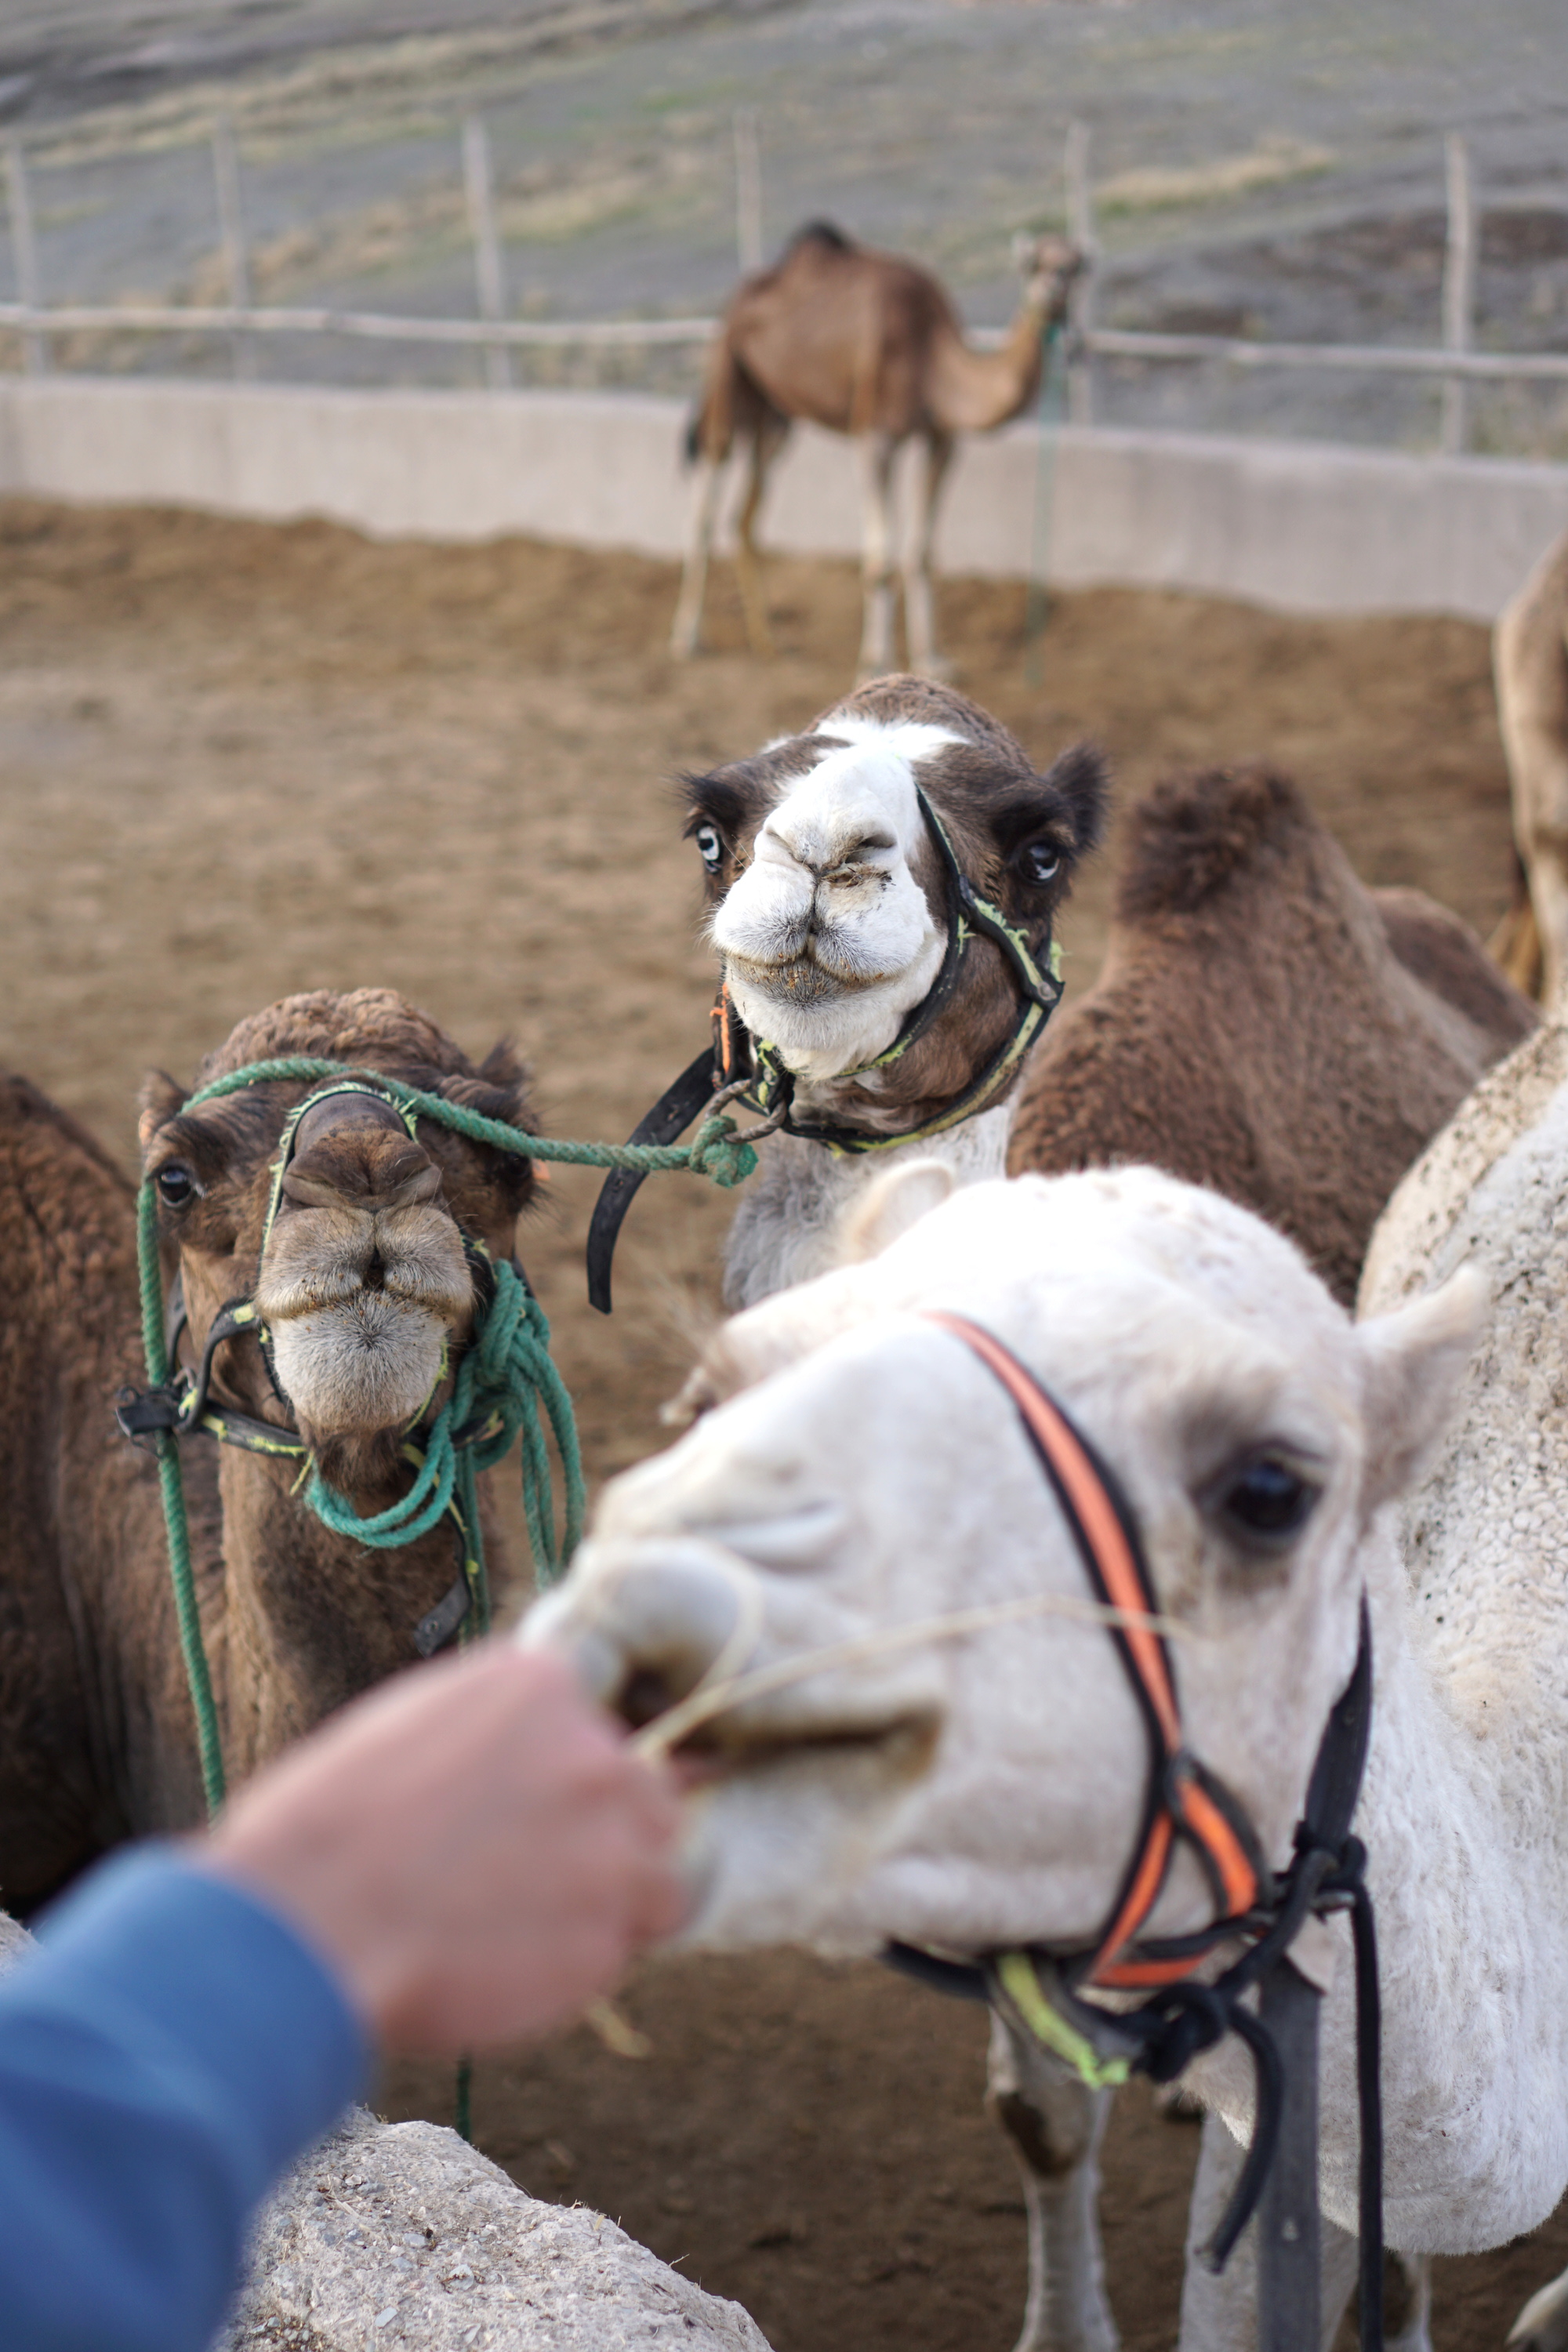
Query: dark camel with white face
829,903
868,344
368,1294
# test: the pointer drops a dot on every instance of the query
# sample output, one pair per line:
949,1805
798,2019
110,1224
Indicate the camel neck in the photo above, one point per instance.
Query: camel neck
973,391
1467,1837
786,1225
312,1617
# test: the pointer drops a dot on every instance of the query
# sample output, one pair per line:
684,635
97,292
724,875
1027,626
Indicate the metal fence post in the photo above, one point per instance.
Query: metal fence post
231,232
1082,300
748,191
1458,288
490,274
25,252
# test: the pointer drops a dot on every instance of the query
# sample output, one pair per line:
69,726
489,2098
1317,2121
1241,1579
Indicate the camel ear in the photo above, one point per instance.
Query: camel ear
159,1100
889,1206
1022,251
1413,1361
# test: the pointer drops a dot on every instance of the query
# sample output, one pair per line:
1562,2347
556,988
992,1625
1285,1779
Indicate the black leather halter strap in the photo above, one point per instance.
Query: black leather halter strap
1041,1991
736,1054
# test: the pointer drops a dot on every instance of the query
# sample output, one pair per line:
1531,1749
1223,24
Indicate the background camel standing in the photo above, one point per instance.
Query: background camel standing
868,345
97,1739
1530,664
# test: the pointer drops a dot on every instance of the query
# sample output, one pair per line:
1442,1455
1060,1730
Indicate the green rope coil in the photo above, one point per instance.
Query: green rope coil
715,1151
192,1647
507,1385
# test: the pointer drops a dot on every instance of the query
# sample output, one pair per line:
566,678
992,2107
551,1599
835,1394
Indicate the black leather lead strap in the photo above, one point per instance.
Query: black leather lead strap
1289,2232
437,1626
671,1115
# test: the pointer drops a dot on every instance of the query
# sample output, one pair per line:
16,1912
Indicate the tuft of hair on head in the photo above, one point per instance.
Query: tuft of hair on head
821,232
1198,833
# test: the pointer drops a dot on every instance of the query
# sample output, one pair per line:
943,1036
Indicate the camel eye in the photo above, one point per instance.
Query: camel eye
176,1183
710,846
1038,862
1268,1501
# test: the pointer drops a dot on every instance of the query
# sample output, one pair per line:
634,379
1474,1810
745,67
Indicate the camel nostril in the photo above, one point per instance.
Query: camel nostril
646,1695
374,1275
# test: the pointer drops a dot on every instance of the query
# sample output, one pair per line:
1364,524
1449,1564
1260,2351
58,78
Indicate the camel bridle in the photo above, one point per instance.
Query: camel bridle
740,1066
1041,1991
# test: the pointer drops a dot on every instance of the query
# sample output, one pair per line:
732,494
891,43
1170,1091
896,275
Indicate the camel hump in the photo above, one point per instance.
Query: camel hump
31,1126
1197,836
1444,955
824,233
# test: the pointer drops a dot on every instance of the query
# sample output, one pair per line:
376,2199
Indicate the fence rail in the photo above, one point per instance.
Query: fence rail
1454,363
32,320
374,325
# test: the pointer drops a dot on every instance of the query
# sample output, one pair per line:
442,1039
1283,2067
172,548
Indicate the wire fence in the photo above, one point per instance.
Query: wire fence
40,331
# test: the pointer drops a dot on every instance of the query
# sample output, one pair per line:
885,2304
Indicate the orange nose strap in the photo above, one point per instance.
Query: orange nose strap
1186,1802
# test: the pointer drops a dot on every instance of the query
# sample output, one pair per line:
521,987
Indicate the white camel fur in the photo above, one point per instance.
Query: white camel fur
859,1471
1483,1533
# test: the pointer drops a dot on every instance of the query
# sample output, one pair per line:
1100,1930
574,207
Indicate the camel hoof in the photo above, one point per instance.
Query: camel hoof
1542,2325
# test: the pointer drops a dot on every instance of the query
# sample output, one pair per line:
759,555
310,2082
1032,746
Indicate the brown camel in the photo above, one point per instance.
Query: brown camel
1530,664
1263,1025
365,1285
864,343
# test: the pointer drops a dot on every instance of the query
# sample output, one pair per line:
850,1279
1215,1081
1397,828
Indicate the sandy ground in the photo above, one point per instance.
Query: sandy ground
237,760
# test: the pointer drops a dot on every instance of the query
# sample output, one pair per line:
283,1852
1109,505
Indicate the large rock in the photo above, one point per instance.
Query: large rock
14,1941
401,2234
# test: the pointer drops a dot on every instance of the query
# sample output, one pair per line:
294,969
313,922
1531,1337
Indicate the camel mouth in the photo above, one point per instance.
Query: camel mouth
904,1748
363,1364
808,970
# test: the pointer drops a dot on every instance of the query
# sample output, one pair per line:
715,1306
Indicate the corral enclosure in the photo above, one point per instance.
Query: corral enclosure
243,760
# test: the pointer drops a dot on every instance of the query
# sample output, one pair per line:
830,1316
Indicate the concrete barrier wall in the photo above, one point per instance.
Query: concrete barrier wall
1299,525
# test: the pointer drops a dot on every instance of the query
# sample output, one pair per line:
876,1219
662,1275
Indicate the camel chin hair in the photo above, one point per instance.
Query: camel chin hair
366,1365
354,1359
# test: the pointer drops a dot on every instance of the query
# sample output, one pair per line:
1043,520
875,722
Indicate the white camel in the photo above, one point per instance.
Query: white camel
1493,1189
861,1472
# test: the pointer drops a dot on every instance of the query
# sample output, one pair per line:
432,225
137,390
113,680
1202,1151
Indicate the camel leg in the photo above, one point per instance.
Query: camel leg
766,442
920,602
877,566
1055,2125
1220,2315
1542,2325
1539,762
686,636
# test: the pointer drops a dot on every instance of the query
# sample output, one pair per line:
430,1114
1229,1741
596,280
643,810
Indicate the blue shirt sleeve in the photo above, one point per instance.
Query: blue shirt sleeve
163,2056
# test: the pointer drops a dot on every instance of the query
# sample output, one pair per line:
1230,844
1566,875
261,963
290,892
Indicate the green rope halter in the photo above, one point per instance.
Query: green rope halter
506,1387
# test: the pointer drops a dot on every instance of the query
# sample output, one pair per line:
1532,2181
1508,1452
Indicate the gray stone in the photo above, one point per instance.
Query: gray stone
401,2234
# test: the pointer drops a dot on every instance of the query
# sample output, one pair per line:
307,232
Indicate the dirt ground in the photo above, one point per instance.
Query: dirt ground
239,760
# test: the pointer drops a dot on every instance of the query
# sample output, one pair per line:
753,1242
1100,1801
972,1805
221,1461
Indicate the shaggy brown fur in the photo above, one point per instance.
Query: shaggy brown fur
1263,1025
97,1741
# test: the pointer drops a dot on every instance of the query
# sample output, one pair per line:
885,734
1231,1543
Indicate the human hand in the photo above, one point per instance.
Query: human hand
472,1848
